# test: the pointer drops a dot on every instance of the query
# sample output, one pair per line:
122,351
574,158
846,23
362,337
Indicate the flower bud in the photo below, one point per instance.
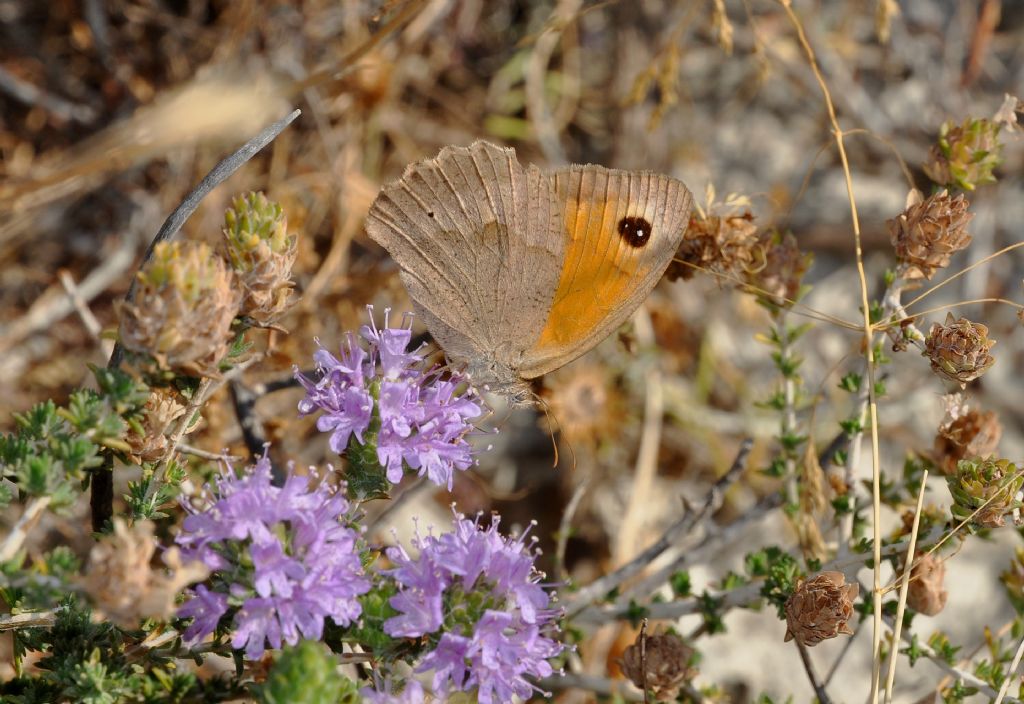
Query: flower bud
958,350
992,486
184,305
820,608
261,252
965,156
928,233
663,665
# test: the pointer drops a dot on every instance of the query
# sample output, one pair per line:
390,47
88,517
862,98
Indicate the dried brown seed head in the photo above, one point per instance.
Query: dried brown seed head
959,349
121,582
970,434
928,233
184,305
661,662
925,593
782,268
820,608
261,252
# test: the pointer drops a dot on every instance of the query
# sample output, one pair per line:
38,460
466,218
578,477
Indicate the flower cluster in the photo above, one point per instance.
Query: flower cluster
282,558
380,402
985,491
477,598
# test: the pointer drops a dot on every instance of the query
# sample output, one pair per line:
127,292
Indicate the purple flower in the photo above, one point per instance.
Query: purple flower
412,693
382,397
281,557
477,596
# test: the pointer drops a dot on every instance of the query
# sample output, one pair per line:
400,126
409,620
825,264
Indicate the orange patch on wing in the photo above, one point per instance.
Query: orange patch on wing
598,272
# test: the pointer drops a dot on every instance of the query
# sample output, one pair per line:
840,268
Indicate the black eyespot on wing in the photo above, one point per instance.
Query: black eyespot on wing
635,230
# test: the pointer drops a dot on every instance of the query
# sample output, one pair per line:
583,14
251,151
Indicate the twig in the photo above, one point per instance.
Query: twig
536,82
25,92
32,619
712,501
206,454
904,587
692,554
82,308
819,688
13,542
647,456
600,686
418,485
51,307
869,352
244,401
1009,674
668,610
565,527
643,659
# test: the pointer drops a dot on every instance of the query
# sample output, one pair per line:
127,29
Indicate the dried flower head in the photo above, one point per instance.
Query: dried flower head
990,487
122,583
721,238
660,662
148,439
283,559
261,252
582,405
820,608
965,156
958,350
779,275
966,433
929,232
184,304
925,593
384,411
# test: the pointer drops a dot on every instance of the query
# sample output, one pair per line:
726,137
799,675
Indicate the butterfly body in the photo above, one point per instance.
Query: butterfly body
516,271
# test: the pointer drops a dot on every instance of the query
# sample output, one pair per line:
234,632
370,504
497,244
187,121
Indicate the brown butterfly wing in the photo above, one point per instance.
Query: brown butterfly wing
621,230
472,232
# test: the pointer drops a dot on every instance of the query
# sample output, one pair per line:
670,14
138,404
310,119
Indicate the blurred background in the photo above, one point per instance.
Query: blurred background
110,112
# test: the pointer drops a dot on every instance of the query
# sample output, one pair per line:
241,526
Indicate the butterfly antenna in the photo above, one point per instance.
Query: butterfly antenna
553,427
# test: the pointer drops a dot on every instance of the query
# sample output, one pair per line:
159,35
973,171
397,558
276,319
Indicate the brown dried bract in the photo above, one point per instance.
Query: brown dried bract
185,302
121,582
970,434
959,349
820,609
721,244
925,593
665,666
163,407
928,233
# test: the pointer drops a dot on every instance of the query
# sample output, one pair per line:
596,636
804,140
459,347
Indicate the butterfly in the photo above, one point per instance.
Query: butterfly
518,271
